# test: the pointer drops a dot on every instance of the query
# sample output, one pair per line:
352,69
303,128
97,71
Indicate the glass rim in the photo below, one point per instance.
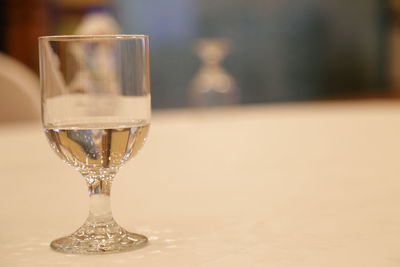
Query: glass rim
92,37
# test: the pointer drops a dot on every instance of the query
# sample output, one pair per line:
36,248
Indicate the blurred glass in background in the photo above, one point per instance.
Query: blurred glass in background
261,50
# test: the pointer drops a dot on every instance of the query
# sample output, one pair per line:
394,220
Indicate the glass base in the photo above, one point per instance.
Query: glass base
99,238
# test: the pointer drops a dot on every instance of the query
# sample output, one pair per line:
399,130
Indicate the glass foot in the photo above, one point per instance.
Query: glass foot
99,238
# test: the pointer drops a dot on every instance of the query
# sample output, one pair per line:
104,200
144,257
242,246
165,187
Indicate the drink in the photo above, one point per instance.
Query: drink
96,122
98,146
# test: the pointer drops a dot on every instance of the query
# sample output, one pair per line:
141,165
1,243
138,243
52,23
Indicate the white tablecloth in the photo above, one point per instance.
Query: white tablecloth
315,184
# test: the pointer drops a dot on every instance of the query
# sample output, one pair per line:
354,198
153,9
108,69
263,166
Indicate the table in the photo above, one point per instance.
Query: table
311,184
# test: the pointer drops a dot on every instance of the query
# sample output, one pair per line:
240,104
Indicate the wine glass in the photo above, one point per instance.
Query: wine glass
96,115
212,84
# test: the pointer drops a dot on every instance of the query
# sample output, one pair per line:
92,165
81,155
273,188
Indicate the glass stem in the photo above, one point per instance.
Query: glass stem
100,206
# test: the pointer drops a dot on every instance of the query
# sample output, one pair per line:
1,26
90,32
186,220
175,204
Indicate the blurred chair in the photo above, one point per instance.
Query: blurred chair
19,91
98,23
95,24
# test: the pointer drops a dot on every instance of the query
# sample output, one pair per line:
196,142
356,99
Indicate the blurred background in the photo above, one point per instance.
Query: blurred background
217,52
